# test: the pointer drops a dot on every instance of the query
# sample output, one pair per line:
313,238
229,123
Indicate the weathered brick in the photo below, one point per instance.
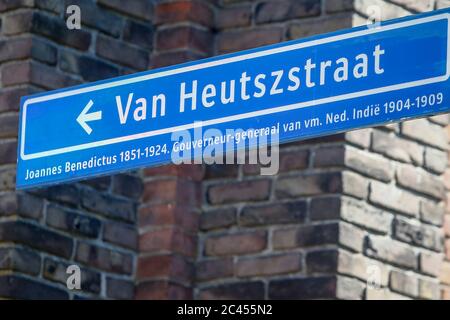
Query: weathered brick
21,204
214,269
221,218
127,185
351,237
231,41
121,234
165,266
270,11
121,52
139,9
431,212
98,18
306,288
308,184
165,59
419,6
435,160
429,289
20,259
55,270
332,156
349,288
430,263
338,5
168,239
394,198
184,37
325,208
232,17
99,183
8,152
168,214
103,258
249,242
64,193
293,160
162,290
36,237
10,97
355,185
254,190
184,11
177,191
397,148
252,290
435,134
447,225
416,234
15,49
21,72
360,138
15,4
90,69
364,215
421,181
358,266
55,29
7,179
322,261
390,251
219,171
330,23
445,273
384,294
278,213
139,34
72,221
18,287
404,283
369,165
305,236
268,265
119,289
55,6
108,205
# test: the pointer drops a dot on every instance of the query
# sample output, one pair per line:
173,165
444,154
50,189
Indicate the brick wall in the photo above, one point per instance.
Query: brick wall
92,224
340,206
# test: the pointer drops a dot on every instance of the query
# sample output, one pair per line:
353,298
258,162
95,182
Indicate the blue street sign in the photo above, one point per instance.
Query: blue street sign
361,77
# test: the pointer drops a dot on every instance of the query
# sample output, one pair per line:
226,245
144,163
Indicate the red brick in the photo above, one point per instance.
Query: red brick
35,73
122,53
238,16
172,267
15,49
167,215
445,292
249,242
231,41
170,239
8,152
187,171
181,11
214,269
176,57
138,8
270,11
177,191
447,249
184,37
255,190
268,265
162,290
10,97
14,4
251,290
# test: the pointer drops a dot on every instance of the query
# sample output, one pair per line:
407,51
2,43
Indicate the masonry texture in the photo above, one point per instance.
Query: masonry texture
373,199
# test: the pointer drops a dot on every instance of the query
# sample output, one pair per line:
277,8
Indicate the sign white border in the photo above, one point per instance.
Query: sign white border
205,65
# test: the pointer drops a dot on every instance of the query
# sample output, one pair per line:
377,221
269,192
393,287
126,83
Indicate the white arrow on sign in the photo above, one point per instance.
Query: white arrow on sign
85,117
